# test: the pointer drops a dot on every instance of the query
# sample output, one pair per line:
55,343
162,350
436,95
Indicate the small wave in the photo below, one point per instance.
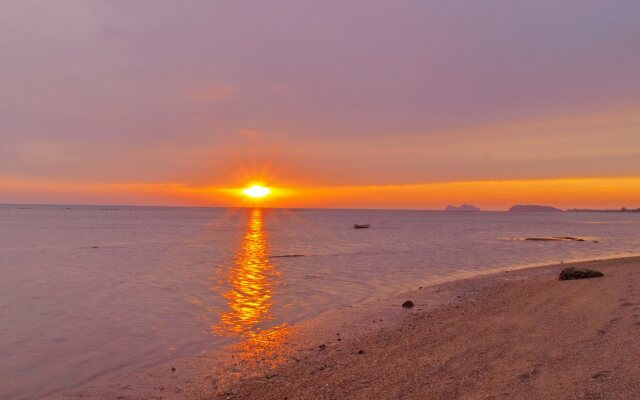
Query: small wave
287,256
553,239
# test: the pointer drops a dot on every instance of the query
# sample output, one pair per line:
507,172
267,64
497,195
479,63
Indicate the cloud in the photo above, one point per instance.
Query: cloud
208,94
251,133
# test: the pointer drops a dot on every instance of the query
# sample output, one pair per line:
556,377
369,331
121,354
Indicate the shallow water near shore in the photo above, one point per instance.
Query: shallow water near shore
87,292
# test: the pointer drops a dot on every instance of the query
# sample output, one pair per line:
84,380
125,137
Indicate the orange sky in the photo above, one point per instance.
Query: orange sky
489,195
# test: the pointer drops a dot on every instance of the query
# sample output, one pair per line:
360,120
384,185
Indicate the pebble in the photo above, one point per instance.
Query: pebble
407,304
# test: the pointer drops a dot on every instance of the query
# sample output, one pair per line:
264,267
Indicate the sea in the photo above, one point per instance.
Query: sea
89,292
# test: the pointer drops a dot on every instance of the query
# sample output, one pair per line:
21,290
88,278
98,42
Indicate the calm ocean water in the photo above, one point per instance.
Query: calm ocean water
87,292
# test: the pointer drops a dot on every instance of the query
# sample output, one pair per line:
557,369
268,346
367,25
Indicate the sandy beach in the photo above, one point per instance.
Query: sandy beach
509,335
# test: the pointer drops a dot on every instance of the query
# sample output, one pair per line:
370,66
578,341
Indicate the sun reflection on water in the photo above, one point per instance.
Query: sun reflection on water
251,280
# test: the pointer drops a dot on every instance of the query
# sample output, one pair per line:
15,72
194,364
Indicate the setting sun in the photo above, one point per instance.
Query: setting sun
257,191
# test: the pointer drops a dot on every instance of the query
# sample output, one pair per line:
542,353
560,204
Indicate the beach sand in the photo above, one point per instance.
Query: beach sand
510,335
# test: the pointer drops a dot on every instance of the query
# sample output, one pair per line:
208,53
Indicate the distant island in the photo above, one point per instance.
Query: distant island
533,208
622,210
464,207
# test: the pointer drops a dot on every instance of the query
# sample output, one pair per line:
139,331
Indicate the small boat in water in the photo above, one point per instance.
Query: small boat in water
361,226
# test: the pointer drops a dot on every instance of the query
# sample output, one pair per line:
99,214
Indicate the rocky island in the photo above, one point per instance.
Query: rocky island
533,208
464,207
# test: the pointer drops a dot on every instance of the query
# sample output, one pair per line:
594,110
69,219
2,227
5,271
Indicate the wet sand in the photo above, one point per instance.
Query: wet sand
509,335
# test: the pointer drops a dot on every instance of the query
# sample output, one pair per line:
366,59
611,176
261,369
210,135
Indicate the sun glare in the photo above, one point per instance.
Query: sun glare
257,191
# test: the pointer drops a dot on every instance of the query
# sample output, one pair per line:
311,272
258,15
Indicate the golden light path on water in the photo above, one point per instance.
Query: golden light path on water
250,297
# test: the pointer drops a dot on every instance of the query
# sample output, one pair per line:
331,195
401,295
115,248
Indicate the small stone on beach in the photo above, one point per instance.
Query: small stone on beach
407,304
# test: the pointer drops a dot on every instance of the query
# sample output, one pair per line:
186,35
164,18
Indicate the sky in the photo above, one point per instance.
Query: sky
350,103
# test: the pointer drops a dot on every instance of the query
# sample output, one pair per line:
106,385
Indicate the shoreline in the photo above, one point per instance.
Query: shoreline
268,365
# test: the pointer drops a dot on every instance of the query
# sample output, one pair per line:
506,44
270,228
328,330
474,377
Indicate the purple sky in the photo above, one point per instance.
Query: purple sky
328,92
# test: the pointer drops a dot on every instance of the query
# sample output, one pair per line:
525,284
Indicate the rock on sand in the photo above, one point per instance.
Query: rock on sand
579,273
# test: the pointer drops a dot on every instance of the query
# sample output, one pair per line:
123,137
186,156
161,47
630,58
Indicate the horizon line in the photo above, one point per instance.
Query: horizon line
573,209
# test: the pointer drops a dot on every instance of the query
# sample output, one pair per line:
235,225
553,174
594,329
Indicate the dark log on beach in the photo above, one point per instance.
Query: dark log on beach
579,273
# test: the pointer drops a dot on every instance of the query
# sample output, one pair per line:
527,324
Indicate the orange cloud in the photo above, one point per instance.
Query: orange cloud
250,133
206,94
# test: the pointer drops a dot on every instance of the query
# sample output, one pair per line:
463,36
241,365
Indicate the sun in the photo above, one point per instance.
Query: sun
256,191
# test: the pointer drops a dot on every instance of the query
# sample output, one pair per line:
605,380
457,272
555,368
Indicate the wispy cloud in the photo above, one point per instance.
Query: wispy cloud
251,133
208,94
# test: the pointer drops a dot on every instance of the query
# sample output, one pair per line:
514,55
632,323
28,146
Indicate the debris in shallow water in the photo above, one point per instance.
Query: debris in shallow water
555,239
408,304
